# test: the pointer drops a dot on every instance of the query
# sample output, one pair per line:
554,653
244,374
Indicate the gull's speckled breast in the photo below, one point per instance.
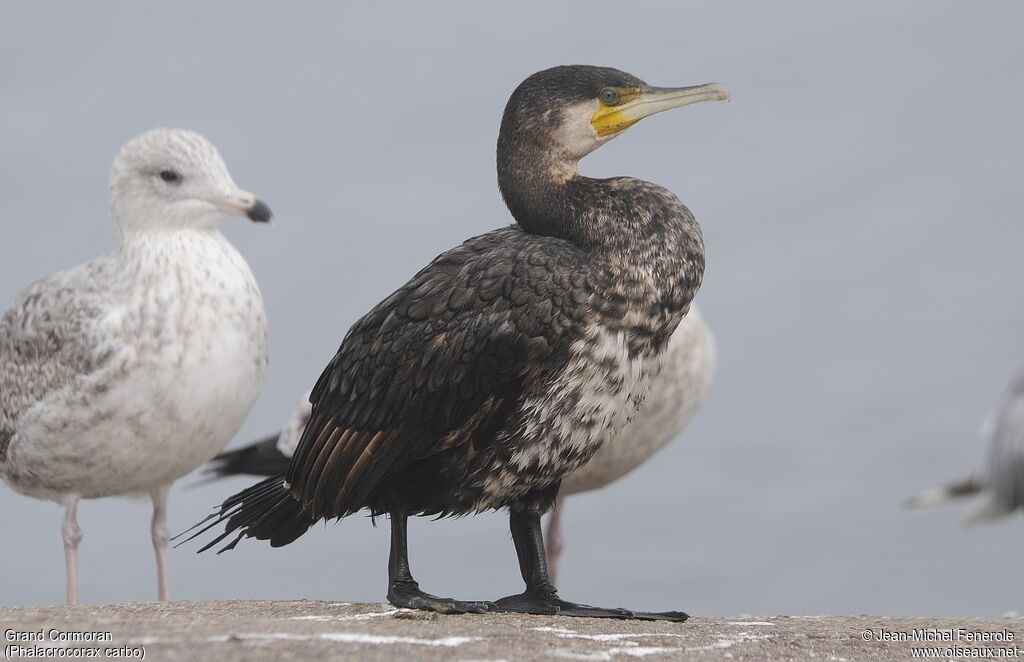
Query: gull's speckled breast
167,362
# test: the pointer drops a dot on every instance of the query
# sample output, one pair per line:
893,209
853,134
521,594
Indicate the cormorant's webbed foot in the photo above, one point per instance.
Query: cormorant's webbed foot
408,594
570,609
540,596
530,602
547,602
403,591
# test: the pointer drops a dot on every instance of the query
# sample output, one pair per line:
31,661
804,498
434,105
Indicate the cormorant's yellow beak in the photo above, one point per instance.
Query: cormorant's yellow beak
633,104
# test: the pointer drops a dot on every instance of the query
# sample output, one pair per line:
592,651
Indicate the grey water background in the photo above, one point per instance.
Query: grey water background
861,202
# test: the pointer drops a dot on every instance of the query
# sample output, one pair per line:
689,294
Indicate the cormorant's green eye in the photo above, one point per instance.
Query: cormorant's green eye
609,96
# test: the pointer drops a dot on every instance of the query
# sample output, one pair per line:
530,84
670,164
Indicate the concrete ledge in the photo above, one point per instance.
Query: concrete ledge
247,630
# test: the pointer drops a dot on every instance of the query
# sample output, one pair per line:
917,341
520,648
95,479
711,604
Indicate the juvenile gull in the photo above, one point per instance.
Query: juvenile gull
675,396
509,360
1002,481
125,373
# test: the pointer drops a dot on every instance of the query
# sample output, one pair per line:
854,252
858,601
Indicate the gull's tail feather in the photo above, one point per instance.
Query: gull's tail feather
945,493
265,511
992,509
262,458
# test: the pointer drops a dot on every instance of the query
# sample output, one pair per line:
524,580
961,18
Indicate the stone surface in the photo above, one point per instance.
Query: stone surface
303,630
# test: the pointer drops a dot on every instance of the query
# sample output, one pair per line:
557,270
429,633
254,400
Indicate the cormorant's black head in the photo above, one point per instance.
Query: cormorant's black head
570,111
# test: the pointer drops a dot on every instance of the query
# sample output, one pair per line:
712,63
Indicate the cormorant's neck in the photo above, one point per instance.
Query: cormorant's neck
548,196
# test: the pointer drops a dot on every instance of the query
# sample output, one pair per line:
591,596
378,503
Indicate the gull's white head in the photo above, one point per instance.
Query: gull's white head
172,178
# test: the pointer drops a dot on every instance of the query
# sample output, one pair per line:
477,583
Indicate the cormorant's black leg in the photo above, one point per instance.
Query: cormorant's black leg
540,597
403,591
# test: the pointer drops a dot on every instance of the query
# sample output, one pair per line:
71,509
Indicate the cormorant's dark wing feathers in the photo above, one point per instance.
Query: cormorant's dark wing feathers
439,360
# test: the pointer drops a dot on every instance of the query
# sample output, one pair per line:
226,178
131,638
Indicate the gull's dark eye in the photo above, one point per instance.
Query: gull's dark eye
170,176
609,96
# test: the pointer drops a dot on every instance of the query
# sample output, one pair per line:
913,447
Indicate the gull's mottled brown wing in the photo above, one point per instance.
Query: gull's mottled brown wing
48,339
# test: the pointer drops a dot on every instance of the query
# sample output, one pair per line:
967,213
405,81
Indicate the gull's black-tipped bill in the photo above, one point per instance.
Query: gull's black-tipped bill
259,212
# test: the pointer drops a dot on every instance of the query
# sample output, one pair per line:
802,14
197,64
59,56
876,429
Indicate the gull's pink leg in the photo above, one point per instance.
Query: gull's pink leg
72,535
554,540
158,530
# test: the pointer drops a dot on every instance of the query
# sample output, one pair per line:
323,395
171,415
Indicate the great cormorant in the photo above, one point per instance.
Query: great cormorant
509,360
123,374
675,395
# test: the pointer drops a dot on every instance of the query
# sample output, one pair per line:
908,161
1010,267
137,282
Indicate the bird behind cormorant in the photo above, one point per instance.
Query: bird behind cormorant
509,360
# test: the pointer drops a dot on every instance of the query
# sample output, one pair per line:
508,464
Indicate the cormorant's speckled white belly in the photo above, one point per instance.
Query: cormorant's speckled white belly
598,393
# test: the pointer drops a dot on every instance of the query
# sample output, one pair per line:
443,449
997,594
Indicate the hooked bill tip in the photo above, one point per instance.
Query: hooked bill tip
718,92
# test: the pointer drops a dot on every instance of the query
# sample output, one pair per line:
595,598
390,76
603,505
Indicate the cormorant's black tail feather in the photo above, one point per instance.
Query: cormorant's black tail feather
259,459
265,511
